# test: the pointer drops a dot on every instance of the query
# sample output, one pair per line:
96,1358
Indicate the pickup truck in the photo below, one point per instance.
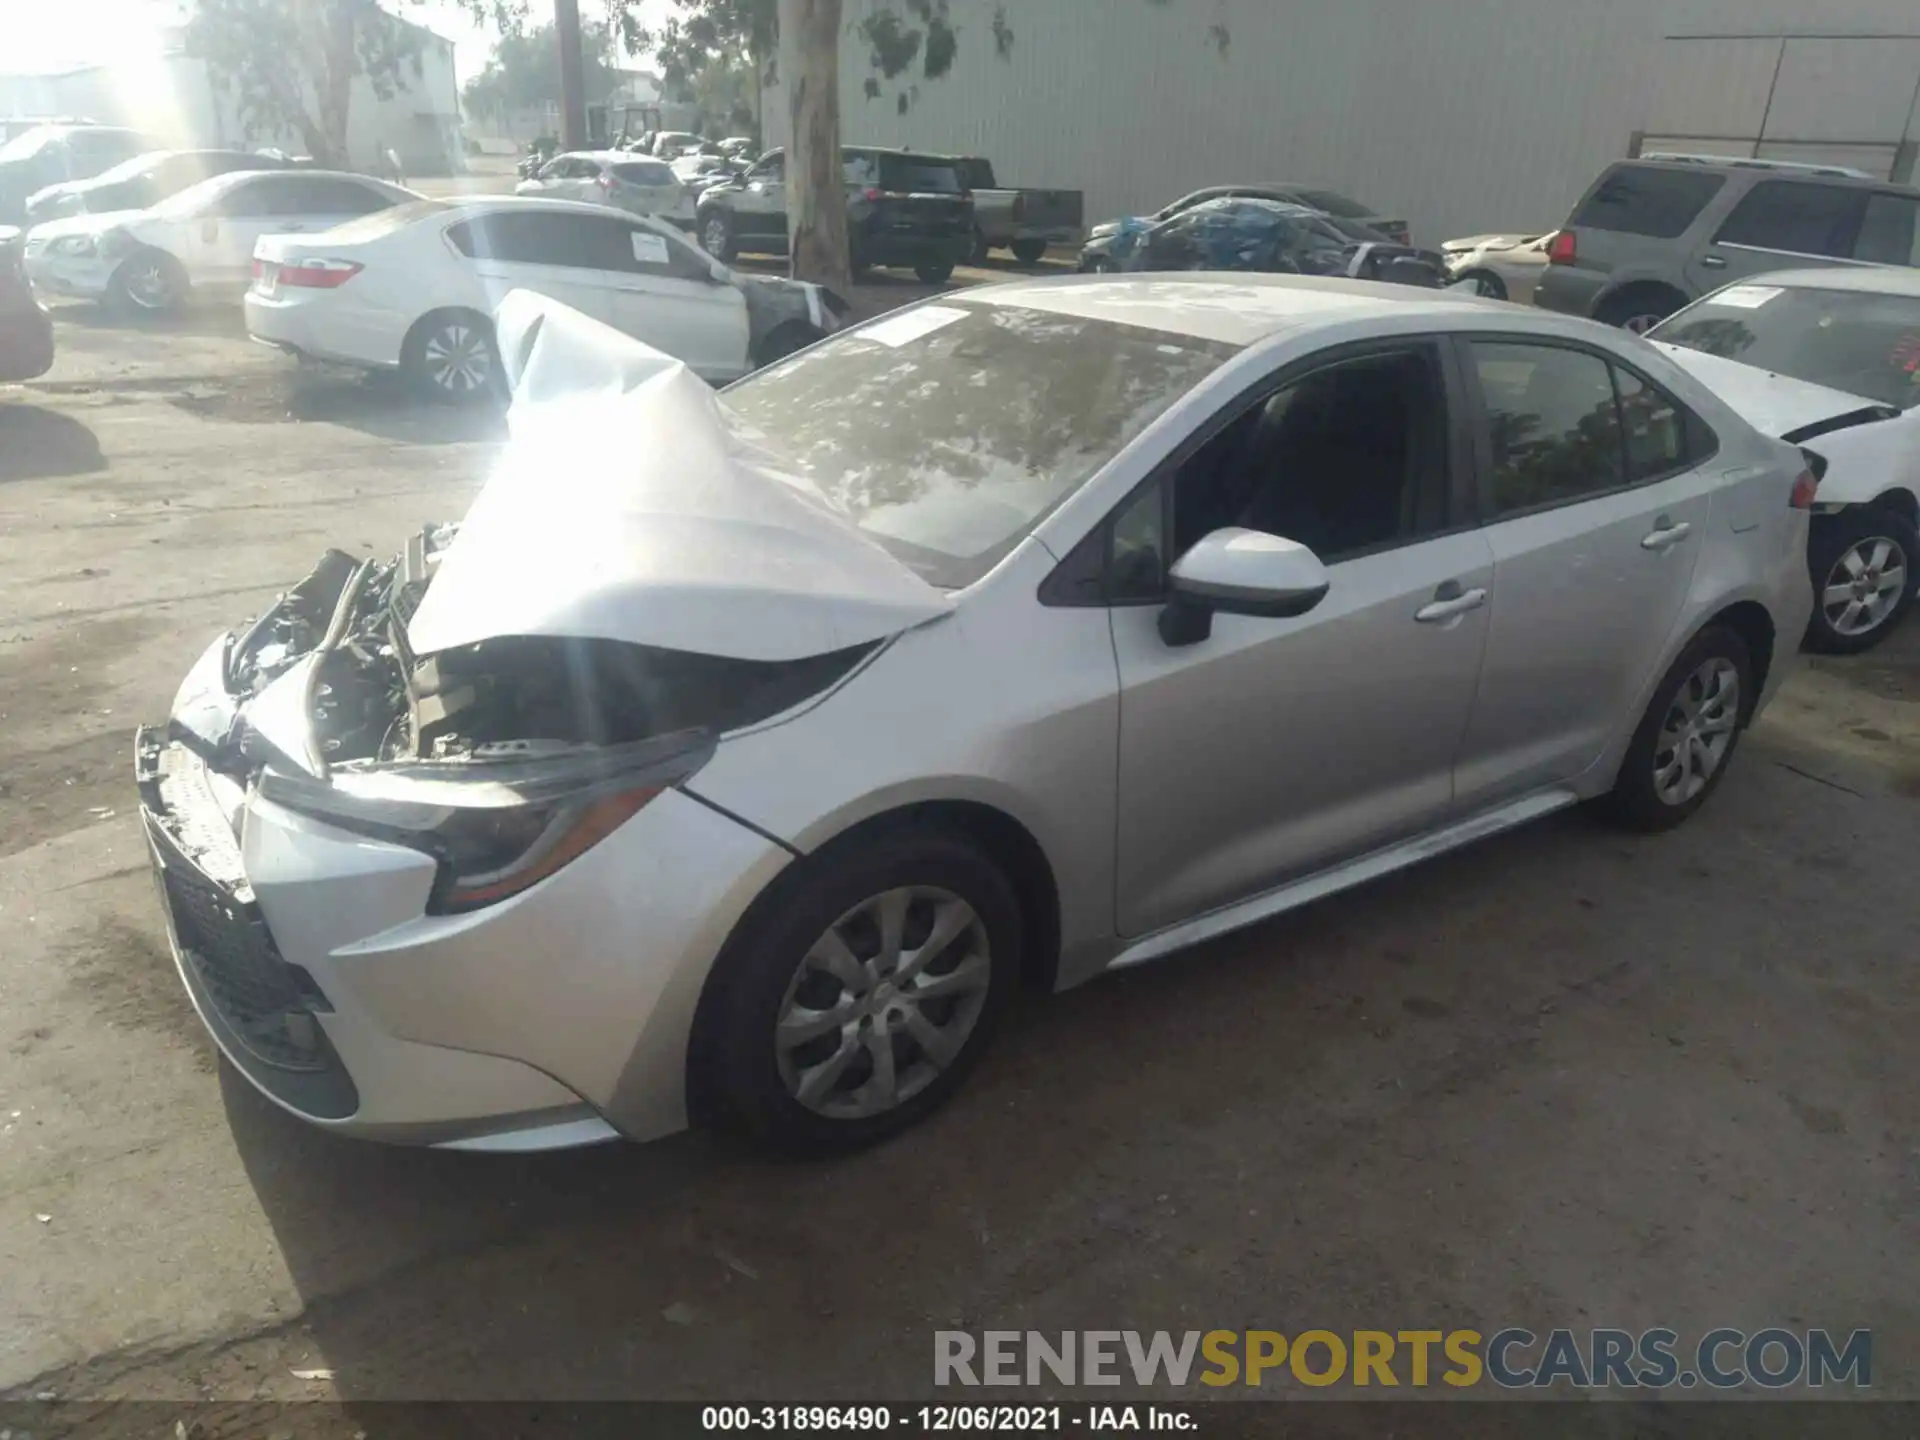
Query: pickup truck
1023,221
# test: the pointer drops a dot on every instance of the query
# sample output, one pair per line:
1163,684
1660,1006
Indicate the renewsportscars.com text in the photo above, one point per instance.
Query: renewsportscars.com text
1511,1358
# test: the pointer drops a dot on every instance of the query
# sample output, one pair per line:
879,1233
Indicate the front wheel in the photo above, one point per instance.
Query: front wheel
1681,749
150,281
1861,561
716,237
934,274
856,999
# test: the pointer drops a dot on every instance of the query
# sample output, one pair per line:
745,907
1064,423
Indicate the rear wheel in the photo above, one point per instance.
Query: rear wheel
1639,308
716,236
150,281
1029,252
934,274
450,355
1685,740
859,1000
1862,563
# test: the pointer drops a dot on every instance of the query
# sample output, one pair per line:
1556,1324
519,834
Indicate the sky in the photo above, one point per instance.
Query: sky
43,36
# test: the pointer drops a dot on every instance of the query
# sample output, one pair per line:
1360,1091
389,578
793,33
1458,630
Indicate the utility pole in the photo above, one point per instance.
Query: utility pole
573,86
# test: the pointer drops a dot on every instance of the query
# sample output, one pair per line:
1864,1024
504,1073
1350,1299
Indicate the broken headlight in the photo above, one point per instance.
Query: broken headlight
498,823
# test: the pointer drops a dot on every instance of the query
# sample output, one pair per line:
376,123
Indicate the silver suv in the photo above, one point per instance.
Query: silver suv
1659,232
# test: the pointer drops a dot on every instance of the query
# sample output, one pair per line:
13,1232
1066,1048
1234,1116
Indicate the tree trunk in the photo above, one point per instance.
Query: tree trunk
573,86
341,58
816,191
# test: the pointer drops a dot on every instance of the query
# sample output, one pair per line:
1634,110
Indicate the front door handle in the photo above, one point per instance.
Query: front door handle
1448,601
1666,535
1712,262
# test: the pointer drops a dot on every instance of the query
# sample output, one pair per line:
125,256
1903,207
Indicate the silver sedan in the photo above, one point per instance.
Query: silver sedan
745,773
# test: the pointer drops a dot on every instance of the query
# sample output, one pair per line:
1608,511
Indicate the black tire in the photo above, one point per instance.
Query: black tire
460,333
934,274
1029,252
1486,284
981,250
784,340
1639,308
1857,529
717,237
1635,802
149,282
736,1075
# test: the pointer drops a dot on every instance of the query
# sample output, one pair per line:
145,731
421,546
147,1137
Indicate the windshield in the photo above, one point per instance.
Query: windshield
28,143
1865,344
131,169
947,431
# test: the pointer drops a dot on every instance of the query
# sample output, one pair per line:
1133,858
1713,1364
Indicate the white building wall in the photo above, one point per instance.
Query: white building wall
1472,115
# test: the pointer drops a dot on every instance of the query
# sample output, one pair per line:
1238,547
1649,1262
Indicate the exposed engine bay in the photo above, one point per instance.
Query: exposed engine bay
367,699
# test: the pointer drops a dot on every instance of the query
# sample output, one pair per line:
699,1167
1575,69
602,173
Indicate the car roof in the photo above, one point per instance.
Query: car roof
1864,279
1236,309
483,204
1733,165
610,157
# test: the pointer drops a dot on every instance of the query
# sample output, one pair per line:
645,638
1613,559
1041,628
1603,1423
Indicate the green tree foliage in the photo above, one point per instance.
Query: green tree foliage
288,66
524,74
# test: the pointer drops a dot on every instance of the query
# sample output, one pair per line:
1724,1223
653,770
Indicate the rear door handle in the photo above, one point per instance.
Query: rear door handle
1448,601
1666,535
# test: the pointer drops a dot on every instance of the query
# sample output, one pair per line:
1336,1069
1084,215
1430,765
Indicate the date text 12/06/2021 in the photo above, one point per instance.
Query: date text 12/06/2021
938,1419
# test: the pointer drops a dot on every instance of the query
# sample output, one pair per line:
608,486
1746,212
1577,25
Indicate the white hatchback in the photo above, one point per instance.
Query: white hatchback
414,290
617,178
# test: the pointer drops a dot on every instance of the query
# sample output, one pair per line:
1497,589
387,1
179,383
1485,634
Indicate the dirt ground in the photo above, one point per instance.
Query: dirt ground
1564,1078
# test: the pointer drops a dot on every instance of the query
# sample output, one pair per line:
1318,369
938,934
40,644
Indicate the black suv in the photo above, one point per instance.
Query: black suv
903,209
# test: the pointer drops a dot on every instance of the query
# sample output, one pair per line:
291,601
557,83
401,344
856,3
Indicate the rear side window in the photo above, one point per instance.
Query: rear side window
325,197
908,172
1553,422
643,172
1887,231
975,173
1794,215
1644,200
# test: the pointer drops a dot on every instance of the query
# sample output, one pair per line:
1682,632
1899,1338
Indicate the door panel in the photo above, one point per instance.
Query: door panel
695,320
1590,581
1278,747
1275,747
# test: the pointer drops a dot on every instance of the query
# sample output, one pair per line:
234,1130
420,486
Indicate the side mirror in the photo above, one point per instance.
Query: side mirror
1240,572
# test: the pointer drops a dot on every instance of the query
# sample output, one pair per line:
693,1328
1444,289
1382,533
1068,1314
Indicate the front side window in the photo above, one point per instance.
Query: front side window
946,432
1349,459
1553,423
1863,343
1796,216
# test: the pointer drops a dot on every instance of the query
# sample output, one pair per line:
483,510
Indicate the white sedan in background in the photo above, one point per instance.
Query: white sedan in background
197,241
1829,359
414,289
614,177
1501,267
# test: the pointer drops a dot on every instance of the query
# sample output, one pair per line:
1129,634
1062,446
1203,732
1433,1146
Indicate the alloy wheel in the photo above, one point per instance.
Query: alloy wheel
457,359
714,236
1699,727
1864,587
883,1002
148,285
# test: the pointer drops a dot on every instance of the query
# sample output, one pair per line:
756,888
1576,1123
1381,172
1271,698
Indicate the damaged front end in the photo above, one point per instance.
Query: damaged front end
502,760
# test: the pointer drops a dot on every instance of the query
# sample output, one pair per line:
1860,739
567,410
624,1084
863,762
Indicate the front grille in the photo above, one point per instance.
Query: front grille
260,1007
262,997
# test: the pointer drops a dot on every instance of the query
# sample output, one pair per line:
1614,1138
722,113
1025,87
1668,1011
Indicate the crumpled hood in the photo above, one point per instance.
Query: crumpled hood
1773,404
625,508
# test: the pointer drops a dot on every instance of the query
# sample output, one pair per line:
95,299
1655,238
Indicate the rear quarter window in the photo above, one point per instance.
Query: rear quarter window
1647,200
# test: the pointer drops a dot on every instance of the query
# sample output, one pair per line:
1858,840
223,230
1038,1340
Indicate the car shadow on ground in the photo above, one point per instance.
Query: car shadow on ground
204,319
41,444
376,404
